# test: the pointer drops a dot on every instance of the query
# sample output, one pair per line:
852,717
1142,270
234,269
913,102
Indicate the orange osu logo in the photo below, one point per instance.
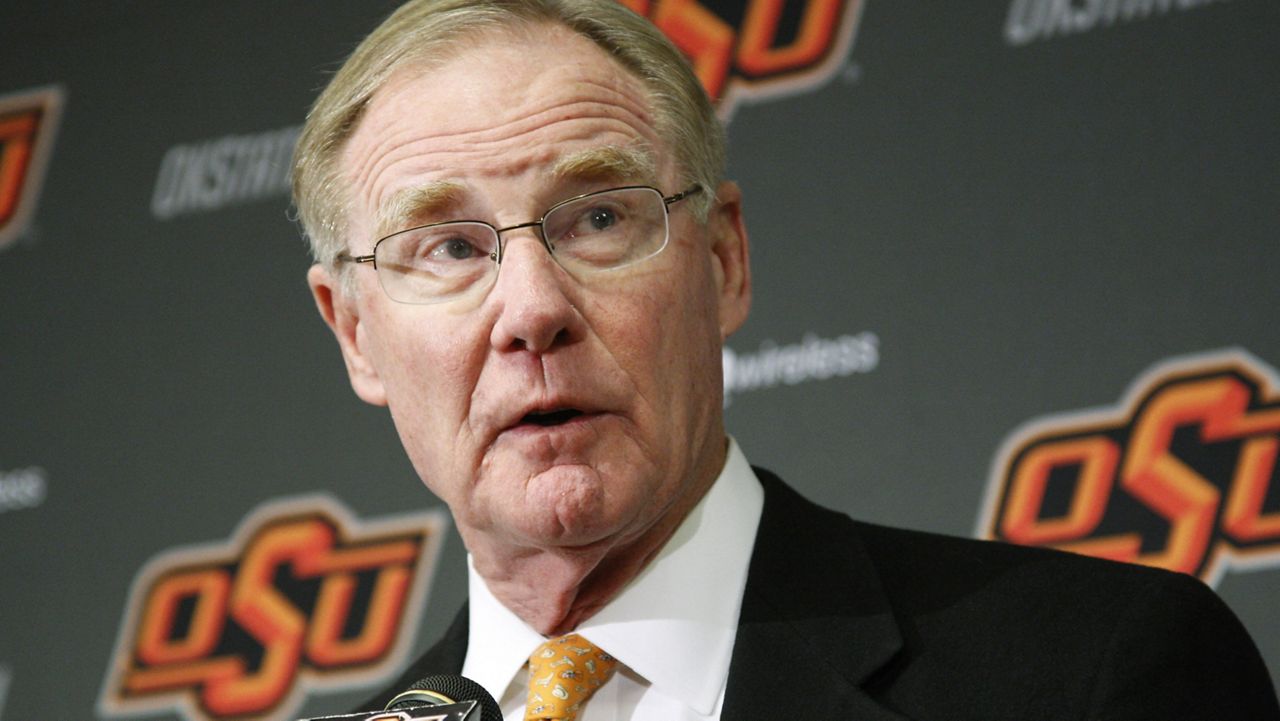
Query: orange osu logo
28,121
1182,475
758,48
303,596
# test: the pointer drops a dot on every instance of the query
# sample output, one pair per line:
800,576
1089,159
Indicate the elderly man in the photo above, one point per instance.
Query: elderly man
527,251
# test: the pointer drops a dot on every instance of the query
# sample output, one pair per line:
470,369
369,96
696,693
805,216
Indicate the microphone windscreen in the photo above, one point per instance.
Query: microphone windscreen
451,689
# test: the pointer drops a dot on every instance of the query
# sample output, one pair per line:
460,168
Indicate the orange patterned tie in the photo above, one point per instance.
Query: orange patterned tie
563,673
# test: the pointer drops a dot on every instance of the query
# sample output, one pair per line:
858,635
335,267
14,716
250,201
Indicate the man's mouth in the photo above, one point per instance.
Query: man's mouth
552,417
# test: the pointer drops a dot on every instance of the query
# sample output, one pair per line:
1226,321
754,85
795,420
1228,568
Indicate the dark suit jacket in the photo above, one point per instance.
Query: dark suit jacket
847,620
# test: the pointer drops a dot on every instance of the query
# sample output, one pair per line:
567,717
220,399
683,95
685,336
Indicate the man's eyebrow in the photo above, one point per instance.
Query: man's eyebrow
609,162
409,206
414,205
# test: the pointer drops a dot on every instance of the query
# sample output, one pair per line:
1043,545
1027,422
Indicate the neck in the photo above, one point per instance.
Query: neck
555,592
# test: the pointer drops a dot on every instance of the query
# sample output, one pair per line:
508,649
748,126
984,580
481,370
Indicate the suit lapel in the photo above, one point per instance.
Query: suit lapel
815,623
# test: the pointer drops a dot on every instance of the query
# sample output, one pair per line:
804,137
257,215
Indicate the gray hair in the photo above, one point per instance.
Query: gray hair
424,31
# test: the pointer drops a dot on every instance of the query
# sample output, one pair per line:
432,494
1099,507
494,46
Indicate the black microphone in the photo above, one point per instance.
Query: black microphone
434,698
446,689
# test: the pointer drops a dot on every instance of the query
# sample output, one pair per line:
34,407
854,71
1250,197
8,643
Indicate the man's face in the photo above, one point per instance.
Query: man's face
502,131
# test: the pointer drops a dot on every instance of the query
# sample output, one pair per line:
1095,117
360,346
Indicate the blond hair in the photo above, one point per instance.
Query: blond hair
422,32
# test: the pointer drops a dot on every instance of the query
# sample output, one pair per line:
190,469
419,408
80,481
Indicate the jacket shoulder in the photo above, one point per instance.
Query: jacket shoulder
988,625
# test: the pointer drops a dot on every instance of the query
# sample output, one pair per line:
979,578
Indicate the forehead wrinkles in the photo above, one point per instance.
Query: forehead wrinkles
582,110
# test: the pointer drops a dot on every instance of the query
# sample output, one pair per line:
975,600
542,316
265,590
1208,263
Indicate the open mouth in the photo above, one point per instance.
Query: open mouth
551,417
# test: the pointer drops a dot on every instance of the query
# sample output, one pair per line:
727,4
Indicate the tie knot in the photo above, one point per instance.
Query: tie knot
563,673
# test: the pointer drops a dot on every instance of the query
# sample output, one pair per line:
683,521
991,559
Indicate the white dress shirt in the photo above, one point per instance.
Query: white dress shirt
672,628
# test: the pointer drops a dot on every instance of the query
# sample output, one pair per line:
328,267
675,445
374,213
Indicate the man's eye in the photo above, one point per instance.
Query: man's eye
601,218
596,219
455,248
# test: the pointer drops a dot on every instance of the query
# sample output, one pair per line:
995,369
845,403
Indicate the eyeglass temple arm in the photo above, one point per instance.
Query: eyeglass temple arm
682,195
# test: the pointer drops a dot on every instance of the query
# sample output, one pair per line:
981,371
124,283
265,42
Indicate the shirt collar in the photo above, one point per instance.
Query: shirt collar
674,624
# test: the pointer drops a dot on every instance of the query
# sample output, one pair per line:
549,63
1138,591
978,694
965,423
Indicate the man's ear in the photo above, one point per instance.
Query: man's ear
342,314
731,257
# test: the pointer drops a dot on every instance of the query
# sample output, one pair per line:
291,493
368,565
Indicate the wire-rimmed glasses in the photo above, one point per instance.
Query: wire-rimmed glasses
601,231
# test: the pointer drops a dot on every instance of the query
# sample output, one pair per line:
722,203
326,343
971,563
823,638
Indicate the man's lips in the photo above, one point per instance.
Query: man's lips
548,414
553,417
540,412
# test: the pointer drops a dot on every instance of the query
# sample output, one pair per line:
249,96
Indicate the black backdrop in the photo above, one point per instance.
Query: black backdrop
975,226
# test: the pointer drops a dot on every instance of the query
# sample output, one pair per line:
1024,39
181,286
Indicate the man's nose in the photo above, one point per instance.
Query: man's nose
534,311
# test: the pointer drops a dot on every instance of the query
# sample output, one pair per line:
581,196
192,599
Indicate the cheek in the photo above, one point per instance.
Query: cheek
688,310
671,335
429,372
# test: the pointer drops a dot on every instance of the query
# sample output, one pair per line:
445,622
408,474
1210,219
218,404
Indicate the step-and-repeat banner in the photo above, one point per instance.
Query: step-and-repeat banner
1015,277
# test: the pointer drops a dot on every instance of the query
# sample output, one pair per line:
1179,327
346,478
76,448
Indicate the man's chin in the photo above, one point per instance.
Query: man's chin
564,507
565,504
